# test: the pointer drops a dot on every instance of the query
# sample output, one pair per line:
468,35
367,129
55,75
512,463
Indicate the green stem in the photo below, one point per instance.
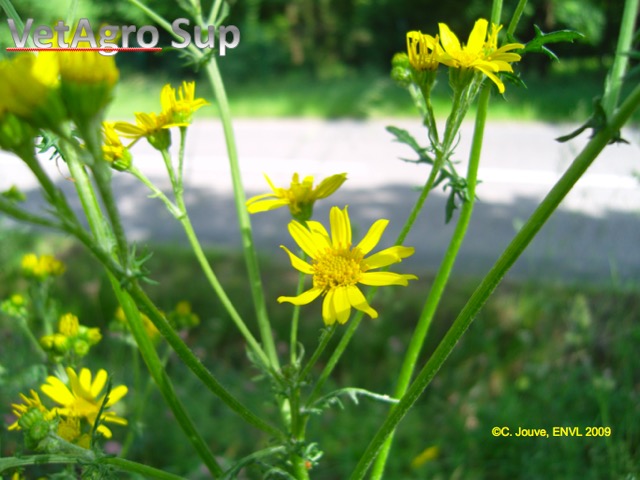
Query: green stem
119,463
515,19
295,319
217,287
616,75
154,364
495,275
192,362
173,209
24,326
11,13
250,254
327,334
442,277
150,356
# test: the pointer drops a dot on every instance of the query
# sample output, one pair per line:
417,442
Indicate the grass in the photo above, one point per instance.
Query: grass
539,355
565,93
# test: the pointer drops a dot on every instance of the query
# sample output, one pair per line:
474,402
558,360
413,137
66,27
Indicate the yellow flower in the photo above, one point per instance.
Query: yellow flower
29,403
149,327
149,125
83,399
424,51
300,196
69,325
41,267
480,53
29,88
113,150
337,267
179,109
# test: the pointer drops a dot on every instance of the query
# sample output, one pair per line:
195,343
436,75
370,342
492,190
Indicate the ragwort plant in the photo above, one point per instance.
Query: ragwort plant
57,100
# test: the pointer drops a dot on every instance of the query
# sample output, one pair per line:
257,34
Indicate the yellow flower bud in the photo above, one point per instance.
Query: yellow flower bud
69,325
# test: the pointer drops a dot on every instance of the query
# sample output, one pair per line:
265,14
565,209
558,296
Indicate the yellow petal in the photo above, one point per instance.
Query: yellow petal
298,263
57,391
330,185
328,309
104,431
304,298
358,301
477,37
265,205
388,256
341,304
85,382
372,237
340,227
317,227
116,394
312,244
99,382
380,279
449,41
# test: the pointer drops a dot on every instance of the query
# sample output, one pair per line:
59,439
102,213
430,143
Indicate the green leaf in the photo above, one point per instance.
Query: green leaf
537,45
402,136
597,121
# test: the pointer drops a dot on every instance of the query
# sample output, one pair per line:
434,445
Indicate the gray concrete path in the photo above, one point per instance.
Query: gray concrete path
594,236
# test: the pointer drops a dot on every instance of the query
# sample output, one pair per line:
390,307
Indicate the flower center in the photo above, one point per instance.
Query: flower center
337,267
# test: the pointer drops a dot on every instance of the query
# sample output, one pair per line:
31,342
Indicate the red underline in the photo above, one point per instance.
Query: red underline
113,49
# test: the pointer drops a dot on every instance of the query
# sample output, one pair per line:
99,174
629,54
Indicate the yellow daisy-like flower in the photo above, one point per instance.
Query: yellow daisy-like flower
113,150
83,399
479,53
148,125
424,51
41,267
30,89
337,267
29,403
300,196
178,107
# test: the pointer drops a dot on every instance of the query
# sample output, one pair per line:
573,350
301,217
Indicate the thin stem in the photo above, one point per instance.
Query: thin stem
295,319
442,277
155,367
172,207
616,75
495,275
217,287
150,356
327,334
251,258
119,463
192,362
515,19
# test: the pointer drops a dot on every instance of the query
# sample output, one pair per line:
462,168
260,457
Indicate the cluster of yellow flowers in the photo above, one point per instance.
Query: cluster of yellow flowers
41,267
78,405
336,267
71,338
480,54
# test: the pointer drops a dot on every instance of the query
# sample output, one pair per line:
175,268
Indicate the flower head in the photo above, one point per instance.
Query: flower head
149,125
32,402
83,398
41,267
113,150
480,53
424,51
179,107
300,196
30,89
72,340
337,266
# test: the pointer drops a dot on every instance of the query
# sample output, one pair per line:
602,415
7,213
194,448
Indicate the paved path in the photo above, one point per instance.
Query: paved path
594,236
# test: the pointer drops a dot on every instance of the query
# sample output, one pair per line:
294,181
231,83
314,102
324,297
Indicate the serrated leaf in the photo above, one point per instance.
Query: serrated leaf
537,45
